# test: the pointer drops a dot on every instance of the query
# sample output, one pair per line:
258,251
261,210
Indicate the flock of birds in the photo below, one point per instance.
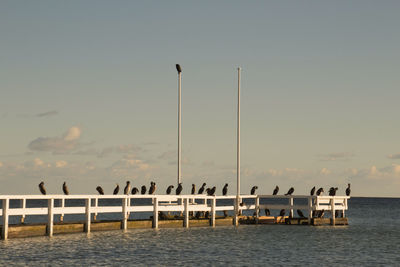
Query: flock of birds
210,192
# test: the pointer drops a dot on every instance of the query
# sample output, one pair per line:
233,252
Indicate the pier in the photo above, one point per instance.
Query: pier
160,207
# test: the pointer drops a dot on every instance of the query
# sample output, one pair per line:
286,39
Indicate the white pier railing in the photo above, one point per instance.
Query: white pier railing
184,204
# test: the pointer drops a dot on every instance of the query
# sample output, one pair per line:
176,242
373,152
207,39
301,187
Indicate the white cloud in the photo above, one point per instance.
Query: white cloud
61,163
58,145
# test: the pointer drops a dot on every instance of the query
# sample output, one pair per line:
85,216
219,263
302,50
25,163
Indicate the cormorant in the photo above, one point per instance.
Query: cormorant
320,191
42,189
282,212
225,190
300,213
134,191
267,212
152,188
178,68
332,191
276,190
312,191
100,190
253,190
348,190
179,189
193,189
169,189
144,189
201,189
116,190
65,189
127,188
290,192
211,191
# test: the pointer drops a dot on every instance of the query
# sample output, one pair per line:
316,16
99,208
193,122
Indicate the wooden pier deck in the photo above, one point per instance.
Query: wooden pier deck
185,206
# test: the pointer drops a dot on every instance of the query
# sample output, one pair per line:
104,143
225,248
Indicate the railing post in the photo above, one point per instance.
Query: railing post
345,207
155,213
88,215
257,204
186,218
96,203
213,212
310,209
333,210
50,216
235,217
291,206
4,233
124,225
23,209
62,208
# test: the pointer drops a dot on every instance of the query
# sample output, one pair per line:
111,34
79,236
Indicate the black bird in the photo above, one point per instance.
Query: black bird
253,190
290,192
211,191
178,190
152,188
169,189
348,190
144,189
320,191
42,189
312,191
65,189
135,191
267,212
178,68
201,190
116,190
300,213
225,190
332,191
282,212
100,190
193,189
276,190
127,188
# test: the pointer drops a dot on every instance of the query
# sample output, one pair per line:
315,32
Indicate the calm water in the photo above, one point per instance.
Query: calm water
371,239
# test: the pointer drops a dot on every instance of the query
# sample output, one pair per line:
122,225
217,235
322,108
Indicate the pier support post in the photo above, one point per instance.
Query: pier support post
310,210
50,216
257,204
23,208
124,225
186,218
4,231
333,210
155,213
237,210
88,215
291,207
62,207
96,203
213,212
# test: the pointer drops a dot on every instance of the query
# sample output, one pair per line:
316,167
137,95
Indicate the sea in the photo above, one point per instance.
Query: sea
372,238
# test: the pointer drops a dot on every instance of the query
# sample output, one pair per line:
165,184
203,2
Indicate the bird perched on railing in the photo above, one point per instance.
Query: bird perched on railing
193,189
100,190
253,190
116,190
320,191
127,188
143,190
211,191
65,189
290,192
152,188
134,191
225,190
276,190
169,189
332,191
312,191
178,190
348,190
201,189
300,213
42,189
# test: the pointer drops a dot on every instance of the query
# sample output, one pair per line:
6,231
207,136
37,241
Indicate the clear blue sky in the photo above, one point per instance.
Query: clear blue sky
89,94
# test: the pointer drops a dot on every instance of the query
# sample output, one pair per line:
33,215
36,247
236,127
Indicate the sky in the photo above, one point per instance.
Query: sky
89,94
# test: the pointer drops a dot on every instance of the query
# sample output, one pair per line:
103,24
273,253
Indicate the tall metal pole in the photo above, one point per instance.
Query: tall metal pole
238,151
178,68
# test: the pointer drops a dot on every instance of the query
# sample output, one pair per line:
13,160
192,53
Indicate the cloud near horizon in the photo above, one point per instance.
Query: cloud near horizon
47,114
338,156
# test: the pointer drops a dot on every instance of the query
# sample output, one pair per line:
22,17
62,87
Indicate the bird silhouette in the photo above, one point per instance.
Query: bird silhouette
65,189
253,190
169,189
348,190
42,189
201,189
134,191
152,188
179,189
225,190
320,191
143,190
100,190
276,190
116,190
312,191
290,192
193,189
127,188
332,191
